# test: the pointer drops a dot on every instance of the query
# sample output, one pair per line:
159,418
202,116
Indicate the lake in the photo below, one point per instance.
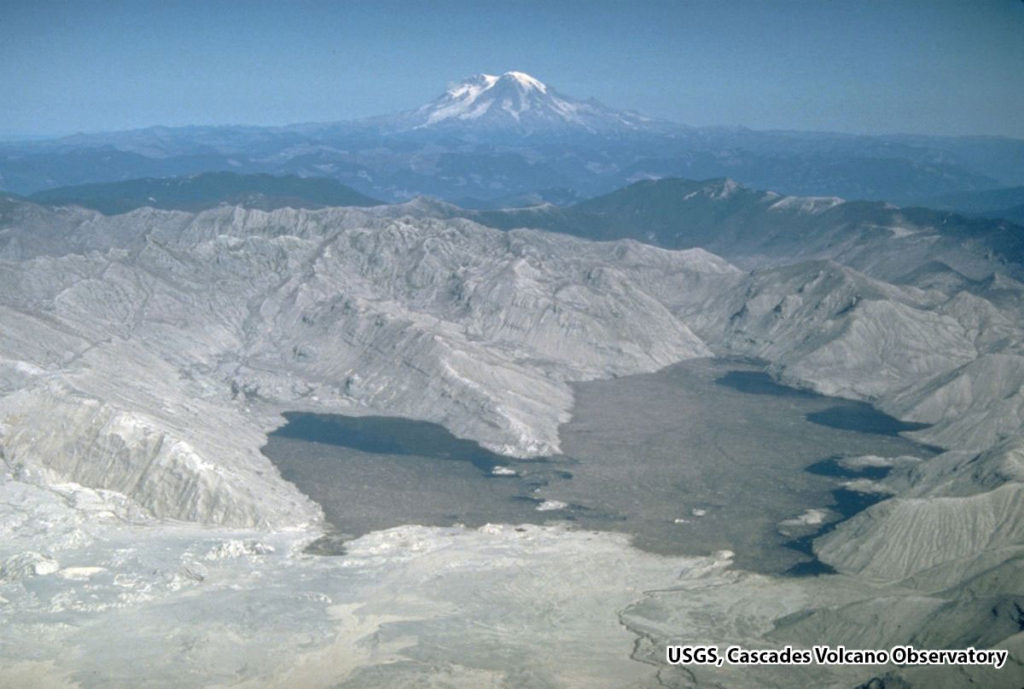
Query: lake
701,456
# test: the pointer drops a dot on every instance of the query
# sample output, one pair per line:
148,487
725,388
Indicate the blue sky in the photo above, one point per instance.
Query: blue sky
931,67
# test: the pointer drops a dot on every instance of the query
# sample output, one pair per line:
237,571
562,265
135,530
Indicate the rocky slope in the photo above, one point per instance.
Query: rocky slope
148,348
144,356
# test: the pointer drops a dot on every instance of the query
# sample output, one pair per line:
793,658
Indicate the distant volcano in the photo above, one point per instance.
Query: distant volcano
518,103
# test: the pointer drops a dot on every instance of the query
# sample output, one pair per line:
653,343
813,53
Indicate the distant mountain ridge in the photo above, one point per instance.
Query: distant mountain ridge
512,136
1007,202
207,190
750,227
753,227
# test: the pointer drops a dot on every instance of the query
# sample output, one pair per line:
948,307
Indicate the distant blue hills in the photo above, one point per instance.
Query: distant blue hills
493,140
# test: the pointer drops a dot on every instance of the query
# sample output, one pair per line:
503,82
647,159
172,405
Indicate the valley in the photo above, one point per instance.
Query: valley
676,459
697,436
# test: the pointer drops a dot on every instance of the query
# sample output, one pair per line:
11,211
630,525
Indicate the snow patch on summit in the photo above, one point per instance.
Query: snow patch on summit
517,102
526,81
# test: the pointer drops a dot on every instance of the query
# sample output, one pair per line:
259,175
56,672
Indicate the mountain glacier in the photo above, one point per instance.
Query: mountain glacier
518,103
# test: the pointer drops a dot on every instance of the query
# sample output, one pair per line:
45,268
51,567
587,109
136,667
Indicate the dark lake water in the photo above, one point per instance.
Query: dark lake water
701,456
376,472
388,435
847,415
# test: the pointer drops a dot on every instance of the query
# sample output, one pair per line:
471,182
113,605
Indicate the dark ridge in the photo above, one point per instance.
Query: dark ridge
207,190
984,202
728,218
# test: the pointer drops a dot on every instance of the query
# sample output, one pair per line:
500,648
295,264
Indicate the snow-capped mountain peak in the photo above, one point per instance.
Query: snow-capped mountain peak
526,81
516,103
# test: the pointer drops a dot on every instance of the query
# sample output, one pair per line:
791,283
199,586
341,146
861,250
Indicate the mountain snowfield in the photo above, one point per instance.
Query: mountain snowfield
520,103
144,357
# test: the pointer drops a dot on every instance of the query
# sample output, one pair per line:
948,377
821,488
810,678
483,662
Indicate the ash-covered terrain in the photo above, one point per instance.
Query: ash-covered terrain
147,540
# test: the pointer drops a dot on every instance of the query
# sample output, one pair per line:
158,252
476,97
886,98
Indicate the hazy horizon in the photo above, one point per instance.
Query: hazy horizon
936,68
